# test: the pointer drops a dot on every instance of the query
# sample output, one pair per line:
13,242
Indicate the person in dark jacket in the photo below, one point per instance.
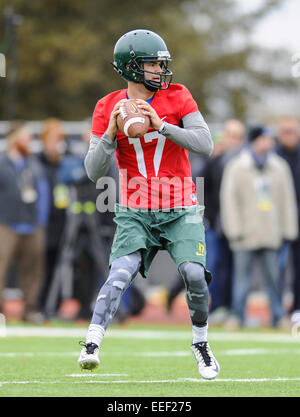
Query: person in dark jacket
24,208
53,139
288,147
221,265
219,258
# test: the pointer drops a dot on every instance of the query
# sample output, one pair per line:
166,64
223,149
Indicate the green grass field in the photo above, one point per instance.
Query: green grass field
147,361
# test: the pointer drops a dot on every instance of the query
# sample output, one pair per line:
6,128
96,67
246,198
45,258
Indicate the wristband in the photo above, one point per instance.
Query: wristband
162,128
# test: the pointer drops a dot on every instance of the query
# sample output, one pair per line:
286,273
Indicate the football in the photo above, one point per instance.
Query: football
131,121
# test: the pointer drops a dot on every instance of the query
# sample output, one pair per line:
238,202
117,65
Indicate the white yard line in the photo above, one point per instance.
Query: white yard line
241,380
156,354
83,375
247,352
158,381
230,352
163,354
32,354
151,334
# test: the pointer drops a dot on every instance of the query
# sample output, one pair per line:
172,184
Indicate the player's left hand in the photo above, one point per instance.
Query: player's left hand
148,110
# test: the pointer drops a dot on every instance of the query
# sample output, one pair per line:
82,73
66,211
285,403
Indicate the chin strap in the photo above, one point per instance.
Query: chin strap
150,87
119,71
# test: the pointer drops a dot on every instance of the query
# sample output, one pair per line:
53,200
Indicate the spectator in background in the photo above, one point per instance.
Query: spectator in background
24,208
83,251
258,212
219,255
288,147
81,263
53,140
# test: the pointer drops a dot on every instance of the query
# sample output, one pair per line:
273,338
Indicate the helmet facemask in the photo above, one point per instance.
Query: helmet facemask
135,71
136,66
136,48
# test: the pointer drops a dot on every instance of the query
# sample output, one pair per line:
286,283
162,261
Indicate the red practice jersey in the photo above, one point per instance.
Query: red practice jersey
155,173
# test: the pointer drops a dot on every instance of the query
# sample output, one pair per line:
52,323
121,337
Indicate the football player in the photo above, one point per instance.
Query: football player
159,207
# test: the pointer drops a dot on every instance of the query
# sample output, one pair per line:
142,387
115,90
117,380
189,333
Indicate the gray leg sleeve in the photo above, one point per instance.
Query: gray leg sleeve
196,291
123,271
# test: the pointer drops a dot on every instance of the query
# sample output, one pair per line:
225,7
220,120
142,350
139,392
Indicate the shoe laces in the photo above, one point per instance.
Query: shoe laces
90,347
202,349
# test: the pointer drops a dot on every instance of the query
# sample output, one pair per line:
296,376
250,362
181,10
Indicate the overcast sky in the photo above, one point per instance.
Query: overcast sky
281,28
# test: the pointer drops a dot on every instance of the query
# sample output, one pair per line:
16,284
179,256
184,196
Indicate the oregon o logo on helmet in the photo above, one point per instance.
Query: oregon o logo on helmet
2,66
163,54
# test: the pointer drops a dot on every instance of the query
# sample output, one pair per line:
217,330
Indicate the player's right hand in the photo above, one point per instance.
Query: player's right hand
112,128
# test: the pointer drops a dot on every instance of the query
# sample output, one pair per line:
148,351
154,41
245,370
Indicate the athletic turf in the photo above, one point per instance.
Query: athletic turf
148,361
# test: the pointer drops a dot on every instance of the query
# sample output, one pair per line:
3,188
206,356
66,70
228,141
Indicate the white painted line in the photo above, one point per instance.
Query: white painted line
162,354
230,352
158,381
94,375
246,352
240,380
152,334
253,337
28,382
45,332
32,354
165,381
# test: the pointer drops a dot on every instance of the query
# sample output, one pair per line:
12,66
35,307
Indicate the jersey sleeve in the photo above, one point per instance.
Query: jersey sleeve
100,119
187,103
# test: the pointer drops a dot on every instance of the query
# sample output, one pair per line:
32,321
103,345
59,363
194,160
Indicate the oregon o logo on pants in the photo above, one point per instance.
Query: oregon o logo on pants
201,249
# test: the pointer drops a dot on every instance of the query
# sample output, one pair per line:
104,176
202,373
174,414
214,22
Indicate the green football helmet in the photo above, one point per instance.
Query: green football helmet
139,46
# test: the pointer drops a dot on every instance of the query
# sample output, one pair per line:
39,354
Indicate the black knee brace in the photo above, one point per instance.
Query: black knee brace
193,275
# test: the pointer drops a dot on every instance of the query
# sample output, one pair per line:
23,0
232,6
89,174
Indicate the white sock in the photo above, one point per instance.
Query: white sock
199,334
95,334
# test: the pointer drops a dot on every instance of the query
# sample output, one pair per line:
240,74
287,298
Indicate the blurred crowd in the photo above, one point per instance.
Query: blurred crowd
252,215
54,243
